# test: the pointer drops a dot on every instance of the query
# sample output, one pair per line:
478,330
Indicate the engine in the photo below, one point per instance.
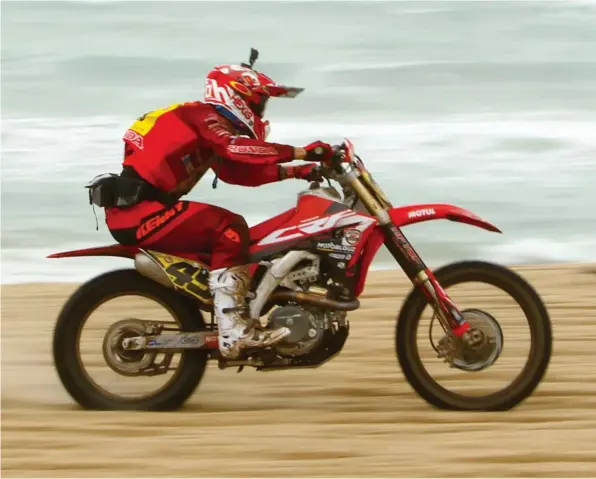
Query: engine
306,325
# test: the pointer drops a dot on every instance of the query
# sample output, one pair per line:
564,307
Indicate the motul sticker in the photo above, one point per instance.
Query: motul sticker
422,213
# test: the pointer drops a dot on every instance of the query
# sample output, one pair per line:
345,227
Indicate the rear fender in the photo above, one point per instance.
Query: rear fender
407,215
122,251
188,274
117,250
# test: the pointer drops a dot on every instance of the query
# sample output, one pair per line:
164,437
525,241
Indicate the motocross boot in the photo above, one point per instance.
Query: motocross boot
237,332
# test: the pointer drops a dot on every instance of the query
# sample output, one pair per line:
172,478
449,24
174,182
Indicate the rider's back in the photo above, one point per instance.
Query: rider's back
165,146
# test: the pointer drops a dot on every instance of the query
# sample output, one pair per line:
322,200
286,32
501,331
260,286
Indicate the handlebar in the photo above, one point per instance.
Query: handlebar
334,164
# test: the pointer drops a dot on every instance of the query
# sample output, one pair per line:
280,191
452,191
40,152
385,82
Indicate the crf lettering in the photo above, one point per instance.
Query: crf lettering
320,224
421,213
309,227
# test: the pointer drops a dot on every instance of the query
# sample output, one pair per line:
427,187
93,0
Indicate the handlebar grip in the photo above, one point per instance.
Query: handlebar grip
337,158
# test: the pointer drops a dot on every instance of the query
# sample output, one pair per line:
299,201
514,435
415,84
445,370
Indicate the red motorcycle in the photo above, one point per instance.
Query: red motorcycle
309,266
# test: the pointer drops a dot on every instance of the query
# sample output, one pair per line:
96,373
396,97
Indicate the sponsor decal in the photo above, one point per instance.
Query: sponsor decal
146,122
340,256
189,339
216,93
157,221
316,225
252,150
243,108
241,88
232,235
330,246
192,279
219,127
403,244
190,276
422,213
352,236
134,138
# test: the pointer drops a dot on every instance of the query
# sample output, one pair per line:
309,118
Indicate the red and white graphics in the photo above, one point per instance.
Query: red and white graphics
318,224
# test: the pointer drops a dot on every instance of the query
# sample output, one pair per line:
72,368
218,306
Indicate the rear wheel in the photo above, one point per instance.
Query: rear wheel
536,359
130,366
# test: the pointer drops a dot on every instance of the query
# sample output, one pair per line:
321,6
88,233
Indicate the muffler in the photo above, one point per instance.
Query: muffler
146,265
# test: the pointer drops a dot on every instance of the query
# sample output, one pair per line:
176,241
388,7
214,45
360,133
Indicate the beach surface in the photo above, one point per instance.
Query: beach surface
354,416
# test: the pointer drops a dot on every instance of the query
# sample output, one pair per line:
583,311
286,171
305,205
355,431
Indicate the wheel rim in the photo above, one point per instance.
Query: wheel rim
98,345
478,384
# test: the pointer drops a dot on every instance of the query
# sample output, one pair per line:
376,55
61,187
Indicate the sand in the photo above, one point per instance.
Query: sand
354,416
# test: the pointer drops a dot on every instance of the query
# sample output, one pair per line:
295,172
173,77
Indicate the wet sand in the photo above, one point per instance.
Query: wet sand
354,416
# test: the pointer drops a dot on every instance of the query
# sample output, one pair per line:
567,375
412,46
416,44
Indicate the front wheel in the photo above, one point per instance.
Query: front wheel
128,370
467,374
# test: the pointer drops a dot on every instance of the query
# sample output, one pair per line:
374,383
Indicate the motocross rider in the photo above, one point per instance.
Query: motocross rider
171,149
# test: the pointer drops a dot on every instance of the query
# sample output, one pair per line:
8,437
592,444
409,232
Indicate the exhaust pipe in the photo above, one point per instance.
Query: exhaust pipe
148,267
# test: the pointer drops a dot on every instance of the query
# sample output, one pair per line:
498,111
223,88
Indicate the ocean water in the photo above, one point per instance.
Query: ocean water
487,105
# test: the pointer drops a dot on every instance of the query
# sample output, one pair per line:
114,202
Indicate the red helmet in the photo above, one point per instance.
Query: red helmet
240,93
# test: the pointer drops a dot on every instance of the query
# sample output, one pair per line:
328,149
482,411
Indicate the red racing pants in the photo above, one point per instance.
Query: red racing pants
187,226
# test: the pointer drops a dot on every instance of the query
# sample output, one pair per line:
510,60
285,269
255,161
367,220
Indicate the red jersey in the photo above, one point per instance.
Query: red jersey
172,148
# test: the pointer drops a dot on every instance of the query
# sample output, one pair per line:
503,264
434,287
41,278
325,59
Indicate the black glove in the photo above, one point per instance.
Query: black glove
318,152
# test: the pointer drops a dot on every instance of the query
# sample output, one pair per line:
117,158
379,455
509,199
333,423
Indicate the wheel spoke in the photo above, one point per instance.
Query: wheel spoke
489,368
89,353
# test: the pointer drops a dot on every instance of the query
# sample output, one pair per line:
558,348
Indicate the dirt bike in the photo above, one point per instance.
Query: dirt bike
308,267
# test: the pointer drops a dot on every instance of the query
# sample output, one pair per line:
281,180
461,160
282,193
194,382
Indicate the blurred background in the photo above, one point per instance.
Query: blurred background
487,105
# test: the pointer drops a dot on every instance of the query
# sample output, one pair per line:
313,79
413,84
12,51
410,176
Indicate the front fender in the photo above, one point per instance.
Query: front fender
407,215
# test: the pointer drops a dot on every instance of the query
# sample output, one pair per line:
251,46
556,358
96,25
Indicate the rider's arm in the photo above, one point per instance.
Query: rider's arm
247,174
244,150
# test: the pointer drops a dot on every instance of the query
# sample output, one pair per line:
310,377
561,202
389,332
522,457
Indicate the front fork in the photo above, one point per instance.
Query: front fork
400,248
422,277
